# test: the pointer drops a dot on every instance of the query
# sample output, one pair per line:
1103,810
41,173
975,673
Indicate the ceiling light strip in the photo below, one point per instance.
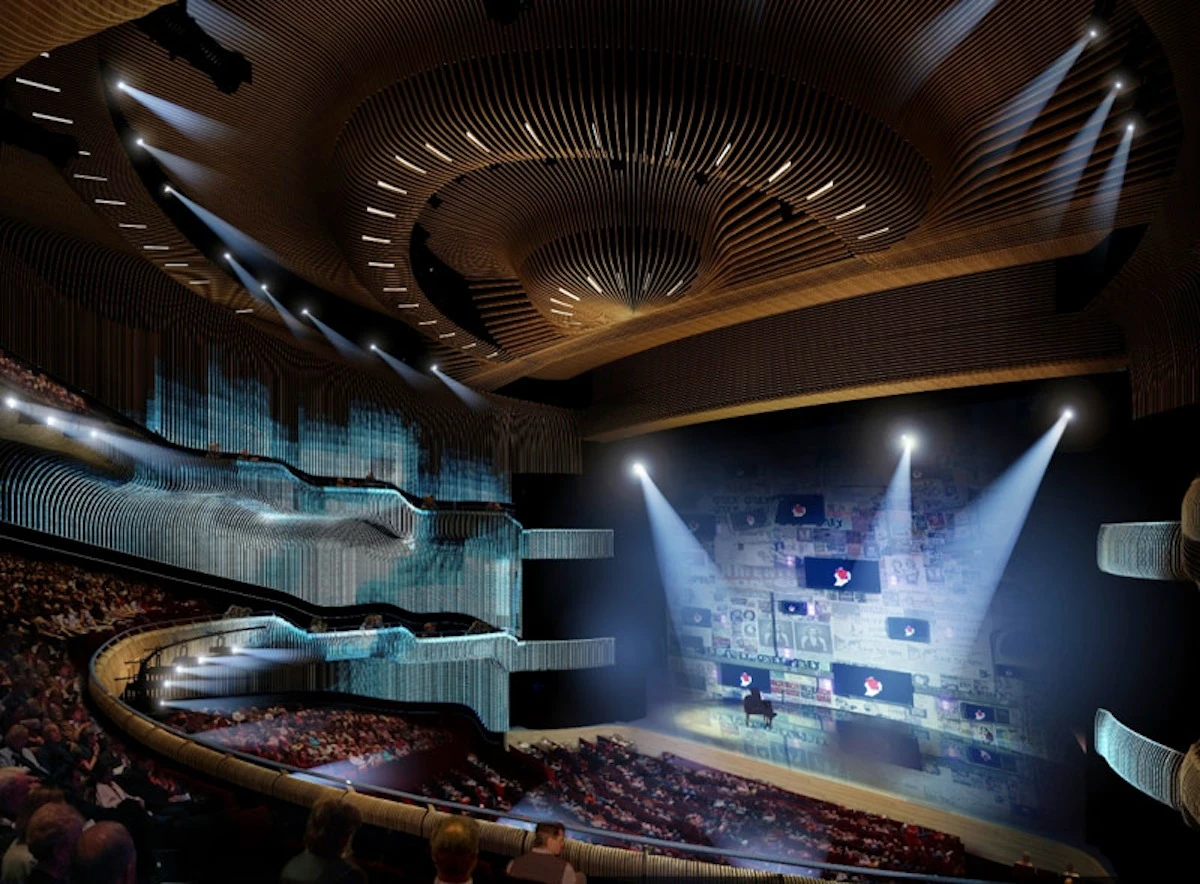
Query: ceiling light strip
371,210
479,144
395,288
52,118
447,334
595,285
675,288
596,136
133,226
407,306
493,355
568,294
849,212
198,282
441,155
724,153
83,177
411,166
245,310
533,135
775,176
378,239
559,303
393,188
175,264
823,189
561,312
875,233
85,153
156,248
386,265
427,322
104,202
470,345
36,85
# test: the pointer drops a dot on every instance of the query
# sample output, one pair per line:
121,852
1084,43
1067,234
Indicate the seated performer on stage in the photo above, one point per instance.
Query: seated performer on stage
754,704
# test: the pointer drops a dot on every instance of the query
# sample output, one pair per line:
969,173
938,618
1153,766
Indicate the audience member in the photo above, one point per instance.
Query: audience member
53,832
455,850
105,854
1024,869
544,863
18,861
327,857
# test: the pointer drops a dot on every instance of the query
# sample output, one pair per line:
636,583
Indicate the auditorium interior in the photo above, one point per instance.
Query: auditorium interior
759,438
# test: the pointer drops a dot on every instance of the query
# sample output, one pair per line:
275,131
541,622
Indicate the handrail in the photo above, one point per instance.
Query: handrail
452,807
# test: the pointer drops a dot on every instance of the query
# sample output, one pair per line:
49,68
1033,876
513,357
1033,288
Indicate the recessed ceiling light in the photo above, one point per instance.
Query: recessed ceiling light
391,187
479,144
378,239
444,157
824,188
875,233
411,166
846,214
778,172
533,135
52,119
568,294
36,85
371,210
595,285
724,153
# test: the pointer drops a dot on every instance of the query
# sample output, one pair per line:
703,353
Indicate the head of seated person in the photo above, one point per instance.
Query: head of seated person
53,832
455,849
105,854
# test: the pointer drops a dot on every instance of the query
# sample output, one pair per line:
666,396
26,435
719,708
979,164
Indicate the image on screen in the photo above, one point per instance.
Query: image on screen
871,683
745,677
850,575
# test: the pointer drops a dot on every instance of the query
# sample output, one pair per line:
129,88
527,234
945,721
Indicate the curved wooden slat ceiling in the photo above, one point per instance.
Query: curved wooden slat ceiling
588,122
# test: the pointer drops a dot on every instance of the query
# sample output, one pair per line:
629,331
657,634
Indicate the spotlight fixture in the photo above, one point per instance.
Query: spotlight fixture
909,441
1068,415
172,28
227,256
10,402
168,190
305,312
122,85
433,368
374,349
95,434
1093,33
141,142
1117,85
638,469
51,421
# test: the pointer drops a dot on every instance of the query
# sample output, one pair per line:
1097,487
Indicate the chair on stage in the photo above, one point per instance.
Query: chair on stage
754,704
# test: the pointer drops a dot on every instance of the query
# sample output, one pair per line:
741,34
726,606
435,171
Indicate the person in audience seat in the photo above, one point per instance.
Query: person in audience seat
104,855
53,832
1024,869
18,862
544,863
455,849
1069,875
327,857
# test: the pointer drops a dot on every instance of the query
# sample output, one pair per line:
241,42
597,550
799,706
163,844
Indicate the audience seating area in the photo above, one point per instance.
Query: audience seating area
608,785
54,614
308,738
37,385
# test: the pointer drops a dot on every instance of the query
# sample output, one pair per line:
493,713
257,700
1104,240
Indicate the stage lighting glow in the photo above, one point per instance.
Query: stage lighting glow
304,312
1093,33
177,668
227,256
1117,85
235,649
433,368
10,402
95,434
638,469
1129,127
201,660
167,189
167,684
374,348
264,287
141,142
121,84
51,421
1068,414
909,441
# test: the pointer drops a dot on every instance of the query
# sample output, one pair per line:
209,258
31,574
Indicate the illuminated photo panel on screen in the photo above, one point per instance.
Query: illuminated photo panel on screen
849,575
745,677
872,683
800,509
